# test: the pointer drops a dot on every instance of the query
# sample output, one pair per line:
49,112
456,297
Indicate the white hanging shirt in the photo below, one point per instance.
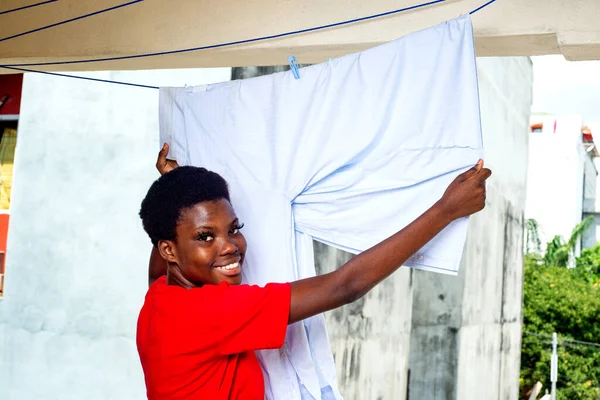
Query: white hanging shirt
348,154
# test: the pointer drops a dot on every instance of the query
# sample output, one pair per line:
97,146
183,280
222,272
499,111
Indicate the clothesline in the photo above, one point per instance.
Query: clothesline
68,20
79,77
27,6
19,67
237,42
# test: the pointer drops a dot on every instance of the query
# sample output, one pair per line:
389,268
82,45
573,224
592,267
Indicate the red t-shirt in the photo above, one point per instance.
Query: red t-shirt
198,343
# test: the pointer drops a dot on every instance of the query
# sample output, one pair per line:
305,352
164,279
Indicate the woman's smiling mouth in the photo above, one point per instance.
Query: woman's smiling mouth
232,269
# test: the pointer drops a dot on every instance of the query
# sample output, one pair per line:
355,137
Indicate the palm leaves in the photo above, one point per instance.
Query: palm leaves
558,252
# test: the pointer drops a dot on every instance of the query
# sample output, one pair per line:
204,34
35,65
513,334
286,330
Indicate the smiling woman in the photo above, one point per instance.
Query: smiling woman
192,205
199,326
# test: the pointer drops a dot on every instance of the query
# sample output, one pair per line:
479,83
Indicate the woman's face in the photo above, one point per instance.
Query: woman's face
209,248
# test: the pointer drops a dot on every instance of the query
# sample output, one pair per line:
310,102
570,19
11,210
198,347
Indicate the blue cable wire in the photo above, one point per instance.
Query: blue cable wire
482,6
29,6
16,66
237,42
79,77
68,20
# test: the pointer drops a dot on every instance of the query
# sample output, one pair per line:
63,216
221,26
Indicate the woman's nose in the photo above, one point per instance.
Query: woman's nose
228,247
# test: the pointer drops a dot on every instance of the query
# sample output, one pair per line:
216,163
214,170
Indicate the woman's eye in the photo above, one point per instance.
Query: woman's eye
236,230
205,237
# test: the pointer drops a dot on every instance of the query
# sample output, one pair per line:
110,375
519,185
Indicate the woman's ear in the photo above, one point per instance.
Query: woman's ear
167,250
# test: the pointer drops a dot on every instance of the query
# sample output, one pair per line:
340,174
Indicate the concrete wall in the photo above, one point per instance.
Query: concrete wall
76,272
466,330
370,338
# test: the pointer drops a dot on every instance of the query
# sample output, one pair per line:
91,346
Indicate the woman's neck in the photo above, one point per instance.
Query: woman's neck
176,278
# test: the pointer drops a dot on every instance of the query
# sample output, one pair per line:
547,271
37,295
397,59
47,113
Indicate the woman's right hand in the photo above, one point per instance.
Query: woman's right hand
163,165
466,194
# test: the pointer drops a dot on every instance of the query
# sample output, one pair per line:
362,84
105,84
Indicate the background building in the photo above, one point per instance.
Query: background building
561,187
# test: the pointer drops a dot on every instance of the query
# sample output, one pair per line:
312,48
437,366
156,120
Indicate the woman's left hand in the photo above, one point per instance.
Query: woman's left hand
163,165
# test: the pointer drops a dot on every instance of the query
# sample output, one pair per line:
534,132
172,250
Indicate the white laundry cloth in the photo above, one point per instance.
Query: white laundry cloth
348,154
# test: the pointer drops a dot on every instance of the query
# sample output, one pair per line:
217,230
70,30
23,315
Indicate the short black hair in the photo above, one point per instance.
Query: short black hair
172,193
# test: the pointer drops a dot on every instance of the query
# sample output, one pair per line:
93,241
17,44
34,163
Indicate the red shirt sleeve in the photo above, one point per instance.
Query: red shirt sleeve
213,319
253,317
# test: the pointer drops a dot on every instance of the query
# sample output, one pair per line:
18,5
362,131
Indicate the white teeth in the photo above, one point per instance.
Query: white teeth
230,266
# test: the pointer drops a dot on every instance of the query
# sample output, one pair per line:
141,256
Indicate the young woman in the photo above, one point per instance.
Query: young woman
199,326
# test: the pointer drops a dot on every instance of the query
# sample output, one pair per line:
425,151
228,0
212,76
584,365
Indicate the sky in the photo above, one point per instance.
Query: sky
567,87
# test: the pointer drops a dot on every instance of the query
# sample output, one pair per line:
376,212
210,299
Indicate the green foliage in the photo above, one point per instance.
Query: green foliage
588,264
579,230
559,252
566,301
